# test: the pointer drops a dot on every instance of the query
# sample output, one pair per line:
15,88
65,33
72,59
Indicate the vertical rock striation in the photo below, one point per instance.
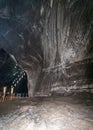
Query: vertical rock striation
67,46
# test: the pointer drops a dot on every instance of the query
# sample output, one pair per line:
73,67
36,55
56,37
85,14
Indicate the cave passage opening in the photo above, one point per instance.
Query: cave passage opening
13,78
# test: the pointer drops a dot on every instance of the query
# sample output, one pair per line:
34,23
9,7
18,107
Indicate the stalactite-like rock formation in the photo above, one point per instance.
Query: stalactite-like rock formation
67,31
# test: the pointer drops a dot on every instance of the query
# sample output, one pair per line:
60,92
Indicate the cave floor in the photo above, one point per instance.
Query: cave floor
57,113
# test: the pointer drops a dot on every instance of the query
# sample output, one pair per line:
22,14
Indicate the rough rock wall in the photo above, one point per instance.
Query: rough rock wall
67,47
51,40
20,35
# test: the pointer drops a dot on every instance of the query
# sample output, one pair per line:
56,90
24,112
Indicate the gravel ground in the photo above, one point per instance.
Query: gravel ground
56,113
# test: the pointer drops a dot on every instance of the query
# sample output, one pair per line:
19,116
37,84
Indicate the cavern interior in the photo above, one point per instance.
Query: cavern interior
46,64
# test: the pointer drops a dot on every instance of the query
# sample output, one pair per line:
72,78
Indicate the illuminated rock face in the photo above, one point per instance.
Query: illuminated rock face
52,41
67,47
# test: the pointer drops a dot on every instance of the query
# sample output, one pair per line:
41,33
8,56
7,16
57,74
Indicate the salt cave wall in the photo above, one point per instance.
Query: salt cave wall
52,41
67,47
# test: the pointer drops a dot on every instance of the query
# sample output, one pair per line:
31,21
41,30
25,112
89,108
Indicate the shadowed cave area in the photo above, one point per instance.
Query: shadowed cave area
46,55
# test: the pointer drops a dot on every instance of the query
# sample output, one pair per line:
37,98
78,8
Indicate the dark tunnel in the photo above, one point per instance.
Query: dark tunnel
11,75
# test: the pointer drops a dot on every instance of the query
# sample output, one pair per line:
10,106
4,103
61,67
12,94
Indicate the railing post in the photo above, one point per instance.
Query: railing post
4,92
12,91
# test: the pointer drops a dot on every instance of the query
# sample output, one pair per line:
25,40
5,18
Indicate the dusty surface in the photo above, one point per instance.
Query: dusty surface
58,113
